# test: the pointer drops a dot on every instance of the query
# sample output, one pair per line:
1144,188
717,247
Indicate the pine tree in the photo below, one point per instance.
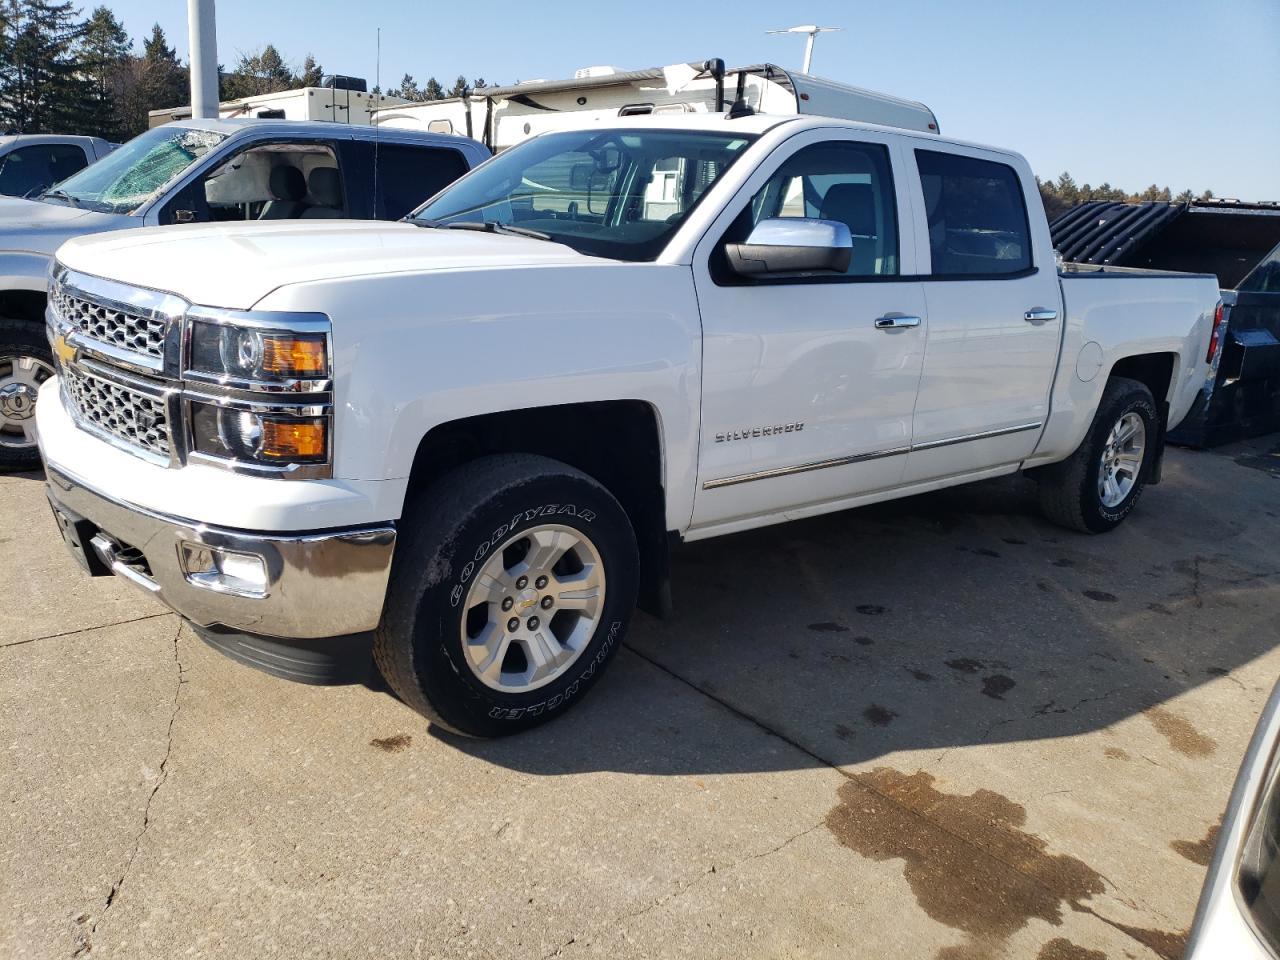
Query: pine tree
258,73
312,73
1067,190
105,51
459,88
45,90
153,81
408,88
477,83
433,90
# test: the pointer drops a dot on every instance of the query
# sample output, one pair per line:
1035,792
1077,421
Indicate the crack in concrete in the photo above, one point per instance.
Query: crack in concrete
1130,932
681,890
84,944
1044,711
72,633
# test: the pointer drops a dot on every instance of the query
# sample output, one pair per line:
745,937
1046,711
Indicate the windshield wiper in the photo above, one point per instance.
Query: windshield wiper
489,226
60,195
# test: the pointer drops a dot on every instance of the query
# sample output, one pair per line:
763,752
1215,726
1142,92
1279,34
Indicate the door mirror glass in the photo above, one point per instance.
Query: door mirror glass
792,246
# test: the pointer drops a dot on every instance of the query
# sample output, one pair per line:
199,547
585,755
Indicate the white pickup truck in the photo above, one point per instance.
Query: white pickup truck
469,439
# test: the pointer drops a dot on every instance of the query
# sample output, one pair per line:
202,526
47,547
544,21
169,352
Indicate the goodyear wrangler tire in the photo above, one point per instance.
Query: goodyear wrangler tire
1095,488
514,580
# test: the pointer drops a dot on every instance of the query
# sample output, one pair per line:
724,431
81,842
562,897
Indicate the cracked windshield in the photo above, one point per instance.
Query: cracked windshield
130,176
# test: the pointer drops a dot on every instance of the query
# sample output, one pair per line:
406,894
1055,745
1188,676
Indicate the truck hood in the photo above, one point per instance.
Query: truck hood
236,266
35,227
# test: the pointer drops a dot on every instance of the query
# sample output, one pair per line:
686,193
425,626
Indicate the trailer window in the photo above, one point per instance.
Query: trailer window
976,214
619,193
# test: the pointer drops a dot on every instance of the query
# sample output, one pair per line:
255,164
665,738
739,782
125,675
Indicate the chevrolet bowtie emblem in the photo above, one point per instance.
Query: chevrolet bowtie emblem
64,351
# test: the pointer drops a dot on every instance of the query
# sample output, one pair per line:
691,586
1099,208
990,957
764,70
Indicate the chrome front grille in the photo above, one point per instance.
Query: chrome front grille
112,325
134,416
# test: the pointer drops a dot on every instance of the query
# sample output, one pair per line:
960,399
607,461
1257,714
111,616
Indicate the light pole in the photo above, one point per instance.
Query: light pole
203,41
811,31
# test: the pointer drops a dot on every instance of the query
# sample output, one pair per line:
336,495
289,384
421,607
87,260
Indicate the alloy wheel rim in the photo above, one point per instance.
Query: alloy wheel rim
533,608
1122,459
20,380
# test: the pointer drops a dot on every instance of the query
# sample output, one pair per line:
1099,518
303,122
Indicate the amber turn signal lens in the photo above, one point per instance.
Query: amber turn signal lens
295,356
293,439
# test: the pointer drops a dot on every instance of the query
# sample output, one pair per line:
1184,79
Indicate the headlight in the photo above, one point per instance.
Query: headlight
247,373
256,437
253,356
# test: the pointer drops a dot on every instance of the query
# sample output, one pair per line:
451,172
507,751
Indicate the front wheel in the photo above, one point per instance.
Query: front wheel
1097,486
514,580
25,363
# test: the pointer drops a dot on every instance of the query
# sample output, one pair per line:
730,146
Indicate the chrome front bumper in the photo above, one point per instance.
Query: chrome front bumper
323,584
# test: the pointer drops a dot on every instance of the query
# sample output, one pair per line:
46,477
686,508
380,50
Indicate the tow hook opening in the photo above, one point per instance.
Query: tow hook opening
124,560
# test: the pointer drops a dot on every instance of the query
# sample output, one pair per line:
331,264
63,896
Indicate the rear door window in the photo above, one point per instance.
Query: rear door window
977,216
408,176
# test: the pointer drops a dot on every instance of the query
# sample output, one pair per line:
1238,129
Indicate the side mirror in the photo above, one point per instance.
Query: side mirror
580,176
787,246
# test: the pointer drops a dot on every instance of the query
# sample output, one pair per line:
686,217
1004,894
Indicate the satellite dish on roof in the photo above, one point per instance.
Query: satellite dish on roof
811,31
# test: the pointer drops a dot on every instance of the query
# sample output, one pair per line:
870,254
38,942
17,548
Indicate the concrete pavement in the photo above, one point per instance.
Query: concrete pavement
935,728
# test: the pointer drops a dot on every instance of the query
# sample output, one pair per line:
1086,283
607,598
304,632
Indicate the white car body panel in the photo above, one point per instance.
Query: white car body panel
416,350
298,251
432,326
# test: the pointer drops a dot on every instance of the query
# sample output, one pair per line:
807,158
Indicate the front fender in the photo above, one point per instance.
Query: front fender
24,270
415,351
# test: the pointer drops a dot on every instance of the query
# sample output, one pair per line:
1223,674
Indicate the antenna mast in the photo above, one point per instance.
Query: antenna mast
811,31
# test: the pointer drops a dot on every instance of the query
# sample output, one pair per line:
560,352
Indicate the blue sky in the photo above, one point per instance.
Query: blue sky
1184,93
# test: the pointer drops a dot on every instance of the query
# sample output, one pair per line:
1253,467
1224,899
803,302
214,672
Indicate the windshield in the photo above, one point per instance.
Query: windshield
129,176
618,194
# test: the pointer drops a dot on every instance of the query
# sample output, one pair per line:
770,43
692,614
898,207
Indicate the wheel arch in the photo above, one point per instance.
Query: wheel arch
619,443
22,304
1156,370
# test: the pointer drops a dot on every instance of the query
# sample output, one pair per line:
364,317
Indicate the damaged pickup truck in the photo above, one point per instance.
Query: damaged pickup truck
470,438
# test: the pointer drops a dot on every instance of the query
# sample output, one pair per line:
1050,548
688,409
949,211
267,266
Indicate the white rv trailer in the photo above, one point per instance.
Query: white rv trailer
306,103
503,116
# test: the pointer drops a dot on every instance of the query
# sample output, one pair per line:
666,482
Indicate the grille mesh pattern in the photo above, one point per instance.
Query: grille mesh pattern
129,331
132,417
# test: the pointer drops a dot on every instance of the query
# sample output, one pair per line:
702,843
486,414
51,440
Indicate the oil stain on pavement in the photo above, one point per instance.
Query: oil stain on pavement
969,863
1061,949
392,744
1182,736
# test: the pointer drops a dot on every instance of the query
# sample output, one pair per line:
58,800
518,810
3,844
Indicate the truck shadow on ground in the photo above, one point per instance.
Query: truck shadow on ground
950,619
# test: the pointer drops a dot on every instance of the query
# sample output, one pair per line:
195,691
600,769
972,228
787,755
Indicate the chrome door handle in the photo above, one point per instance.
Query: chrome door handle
896,323
1039,315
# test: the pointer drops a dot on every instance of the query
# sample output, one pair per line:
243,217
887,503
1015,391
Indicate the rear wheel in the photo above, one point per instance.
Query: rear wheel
514,581
25,363
1097,486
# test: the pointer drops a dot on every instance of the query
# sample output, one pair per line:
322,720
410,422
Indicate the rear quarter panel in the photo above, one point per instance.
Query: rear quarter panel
413,351
1114,315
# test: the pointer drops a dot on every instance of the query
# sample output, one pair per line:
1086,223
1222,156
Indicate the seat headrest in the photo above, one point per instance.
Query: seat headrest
325,187
853,204
287,183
